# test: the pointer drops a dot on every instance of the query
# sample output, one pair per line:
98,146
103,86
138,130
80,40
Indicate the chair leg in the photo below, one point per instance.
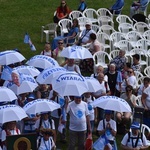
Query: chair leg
47,37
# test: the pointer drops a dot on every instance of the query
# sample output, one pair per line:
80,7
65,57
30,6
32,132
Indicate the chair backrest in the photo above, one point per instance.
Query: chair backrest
133,36
143,44
141,27
105,20
90,13
147,71
75,14
138,74
104,12
144,129
101,57
146,35
82,21
95,27
107,29
125,28
138,101
114,53
102,37
124,19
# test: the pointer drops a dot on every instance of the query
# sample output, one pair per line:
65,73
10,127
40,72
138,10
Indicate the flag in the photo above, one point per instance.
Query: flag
26,38
6,73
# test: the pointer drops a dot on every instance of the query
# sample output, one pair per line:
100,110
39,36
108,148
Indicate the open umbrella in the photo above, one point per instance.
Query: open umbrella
93,84
11,113
10,57
25,84
27,70
40,105
76,52
112,103
47,75
70,84
42,61
7,95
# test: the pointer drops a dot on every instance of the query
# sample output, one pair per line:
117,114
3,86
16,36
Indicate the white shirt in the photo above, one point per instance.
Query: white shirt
78,113
129,144
73,68
147,92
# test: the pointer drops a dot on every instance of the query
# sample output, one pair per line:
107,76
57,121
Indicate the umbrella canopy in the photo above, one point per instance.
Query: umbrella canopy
93,84
112,103
40,105
27,70
26,84
10,57
7,95
41,61
70,84
47,75
76,52
11,113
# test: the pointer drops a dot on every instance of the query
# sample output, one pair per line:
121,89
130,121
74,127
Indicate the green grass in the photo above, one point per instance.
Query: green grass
20,16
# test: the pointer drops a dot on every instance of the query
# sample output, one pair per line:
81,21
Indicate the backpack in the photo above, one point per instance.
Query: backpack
140,136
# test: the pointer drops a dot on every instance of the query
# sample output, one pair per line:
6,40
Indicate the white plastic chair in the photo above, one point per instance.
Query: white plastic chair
138,74
104,39
115,37
133,37
143,57
125,45
107,29
140,80
125,28
75,14
146,35
104,12
143,44
63,24
147,71
82,21
91,14
138,101
100,58
141,27
105,20
113,54
124,19
49,29
95,27
145,129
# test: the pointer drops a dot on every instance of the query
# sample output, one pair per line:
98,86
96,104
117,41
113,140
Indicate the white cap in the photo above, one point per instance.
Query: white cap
88,23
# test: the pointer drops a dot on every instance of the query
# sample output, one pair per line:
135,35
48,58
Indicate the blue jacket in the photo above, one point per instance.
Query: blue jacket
118,5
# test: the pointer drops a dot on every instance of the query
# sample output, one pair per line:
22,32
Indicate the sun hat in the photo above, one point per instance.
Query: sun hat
88,23
135,125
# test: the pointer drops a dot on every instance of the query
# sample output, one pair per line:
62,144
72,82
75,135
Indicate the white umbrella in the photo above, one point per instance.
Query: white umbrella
7,95
26,84
93,84
10,57
27,70
40,105
11,113
47,75
112,103
70,84
76,52
42,61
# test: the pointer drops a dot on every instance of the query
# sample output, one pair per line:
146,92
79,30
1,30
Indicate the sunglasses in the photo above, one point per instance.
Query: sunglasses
60,43
129,71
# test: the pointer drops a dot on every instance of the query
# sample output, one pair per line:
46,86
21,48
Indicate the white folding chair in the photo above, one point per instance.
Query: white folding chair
115,37
75,14
138,101
113,54
104,39
95,27
105,20
104,12
101,58
91,14
133,37
107,29
145,130
141,27
147,71
138,74
49,29
63,24
125,28
124,19
82,21
146,35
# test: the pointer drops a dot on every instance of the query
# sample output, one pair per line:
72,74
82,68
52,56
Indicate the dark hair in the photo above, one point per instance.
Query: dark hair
136,56
128,65
93,36
146,79
129,87
76,20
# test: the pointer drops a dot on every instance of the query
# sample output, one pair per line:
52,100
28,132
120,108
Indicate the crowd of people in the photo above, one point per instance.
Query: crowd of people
117,80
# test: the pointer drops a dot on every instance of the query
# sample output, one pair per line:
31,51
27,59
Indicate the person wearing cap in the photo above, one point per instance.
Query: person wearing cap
79,122
107,127
85,35
134,140
45,142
